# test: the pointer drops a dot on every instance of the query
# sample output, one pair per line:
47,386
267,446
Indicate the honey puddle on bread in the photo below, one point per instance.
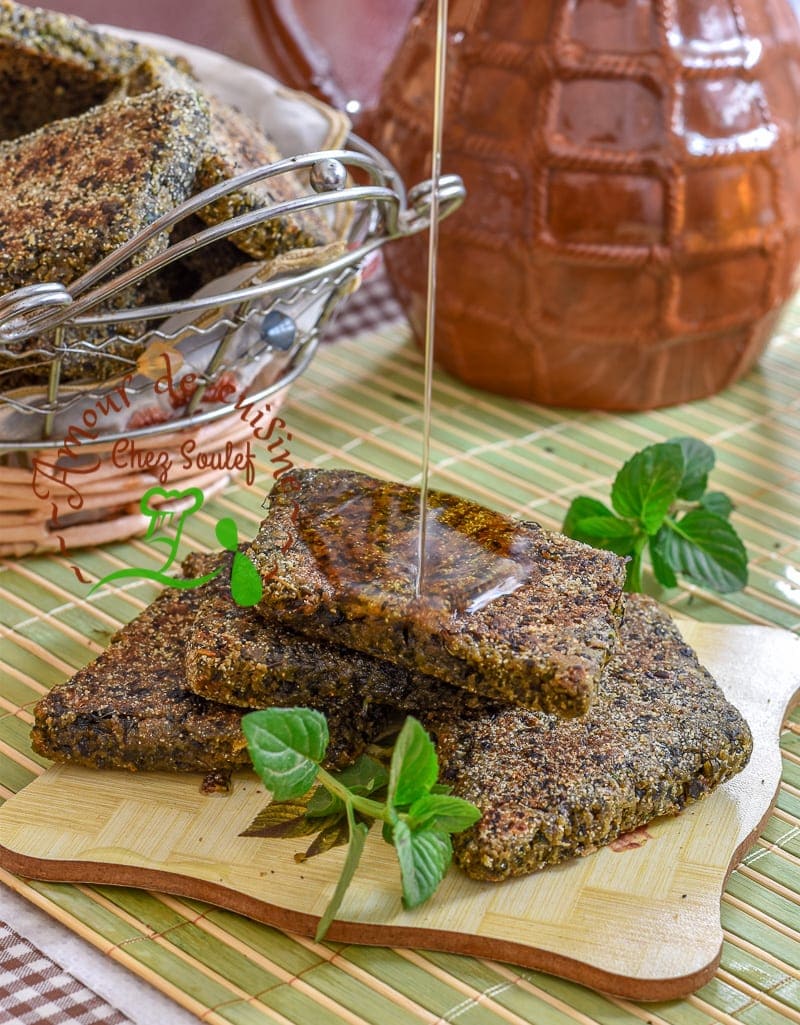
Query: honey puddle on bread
366,543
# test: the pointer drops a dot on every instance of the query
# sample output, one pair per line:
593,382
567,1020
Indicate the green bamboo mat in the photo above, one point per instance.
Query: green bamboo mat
358,406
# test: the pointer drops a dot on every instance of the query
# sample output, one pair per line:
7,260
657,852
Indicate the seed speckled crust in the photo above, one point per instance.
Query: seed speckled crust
75,190
659,736
99,136
238,656
54,66
326,552
237,144
131,708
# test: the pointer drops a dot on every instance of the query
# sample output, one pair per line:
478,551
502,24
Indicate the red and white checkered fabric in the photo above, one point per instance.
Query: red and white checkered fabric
372,306
35,991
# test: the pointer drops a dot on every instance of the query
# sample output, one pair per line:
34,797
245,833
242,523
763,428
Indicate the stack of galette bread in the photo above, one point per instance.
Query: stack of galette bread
567,711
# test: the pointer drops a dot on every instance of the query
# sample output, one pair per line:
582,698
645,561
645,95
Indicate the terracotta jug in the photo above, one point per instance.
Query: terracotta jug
632,228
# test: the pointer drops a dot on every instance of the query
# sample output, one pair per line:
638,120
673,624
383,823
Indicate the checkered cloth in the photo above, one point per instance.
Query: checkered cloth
372,306
34,990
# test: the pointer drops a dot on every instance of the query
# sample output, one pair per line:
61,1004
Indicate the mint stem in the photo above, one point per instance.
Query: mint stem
635,573
372,809
635,568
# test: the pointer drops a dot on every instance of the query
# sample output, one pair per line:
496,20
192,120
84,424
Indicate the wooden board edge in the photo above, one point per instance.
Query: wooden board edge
364,934
644,990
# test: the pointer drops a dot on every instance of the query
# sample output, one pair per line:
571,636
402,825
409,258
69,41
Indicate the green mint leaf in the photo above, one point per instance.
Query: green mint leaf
717,503
706,549
595,524
437,811
323,803
702,545
364,776
583,508
414,765
424,856
698,462
662,569
358,837
285,746
647,485
609,532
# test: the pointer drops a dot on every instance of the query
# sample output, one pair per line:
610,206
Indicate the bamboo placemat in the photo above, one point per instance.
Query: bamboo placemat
358,406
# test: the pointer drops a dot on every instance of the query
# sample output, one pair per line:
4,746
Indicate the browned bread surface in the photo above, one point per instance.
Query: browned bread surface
76,189
99,136
336,554
54,65
660,735
236,655
237,144
131,708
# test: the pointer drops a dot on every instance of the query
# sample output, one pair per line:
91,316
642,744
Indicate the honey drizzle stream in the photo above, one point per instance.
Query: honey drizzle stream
430,308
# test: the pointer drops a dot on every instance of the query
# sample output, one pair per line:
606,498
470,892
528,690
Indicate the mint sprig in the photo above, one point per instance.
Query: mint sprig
286,746
660,505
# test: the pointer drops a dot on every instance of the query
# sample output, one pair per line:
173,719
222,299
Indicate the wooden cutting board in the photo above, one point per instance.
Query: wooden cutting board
639,921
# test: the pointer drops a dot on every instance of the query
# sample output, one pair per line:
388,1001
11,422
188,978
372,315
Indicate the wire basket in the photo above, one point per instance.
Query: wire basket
193,377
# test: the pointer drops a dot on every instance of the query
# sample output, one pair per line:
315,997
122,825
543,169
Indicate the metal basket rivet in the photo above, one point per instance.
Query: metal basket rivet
328,175
278,330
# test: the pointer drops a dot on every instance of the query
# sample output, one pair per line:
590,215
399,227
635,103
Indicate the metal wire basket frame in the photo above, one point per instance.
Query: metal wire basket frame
384,211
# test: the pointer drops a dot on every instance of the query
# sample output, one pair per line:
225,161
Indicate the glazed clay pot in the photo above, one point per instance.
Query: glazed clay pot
632,228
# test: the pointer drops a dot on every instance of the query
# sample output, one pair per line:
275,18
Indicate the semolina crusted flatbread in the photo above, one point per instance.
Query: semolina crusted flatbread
54,66
659,736
236,655
76,189
337,552
237,144
131,708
